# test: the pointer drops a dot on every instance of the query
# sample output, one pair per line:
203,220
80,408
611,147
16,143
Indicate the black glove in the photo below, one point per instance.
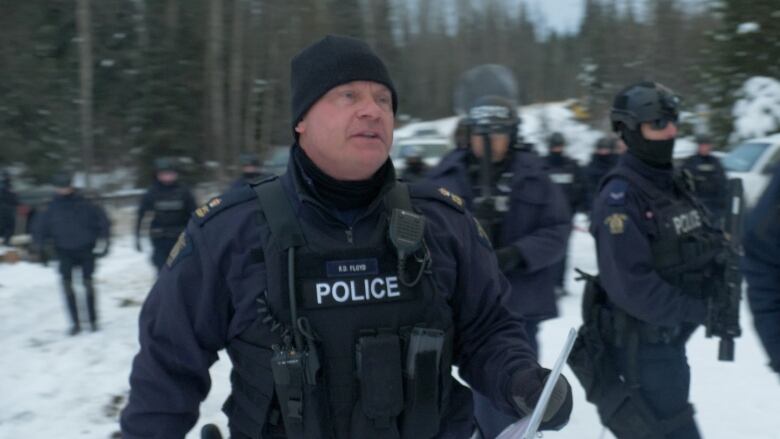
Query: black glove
210,431
509,258
102,247
527,385
138,244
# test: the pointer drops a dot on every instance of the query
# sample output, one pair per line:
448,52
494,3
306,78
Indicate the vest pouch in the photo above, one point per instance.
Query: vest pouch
423,358
302,399
381,398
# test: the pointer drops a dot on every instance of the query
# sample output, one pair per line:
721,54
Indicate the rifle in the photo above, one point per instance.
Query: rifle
723,306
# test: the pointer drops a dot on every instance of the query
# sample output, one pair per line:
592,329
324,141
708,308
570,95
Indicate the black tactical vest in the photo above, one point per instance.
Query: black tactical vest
170,214
382,350
684,244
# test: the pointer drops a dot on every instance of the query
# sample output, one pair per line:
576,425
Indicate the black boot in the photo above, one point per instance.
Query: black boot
91,305
70,301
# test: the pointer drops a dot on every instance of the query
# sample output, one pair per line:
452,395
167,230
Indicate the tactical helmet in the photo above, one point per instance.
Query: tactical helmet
644,102
556,139
609,143
62,179
249,159
703,139
164,164
493,114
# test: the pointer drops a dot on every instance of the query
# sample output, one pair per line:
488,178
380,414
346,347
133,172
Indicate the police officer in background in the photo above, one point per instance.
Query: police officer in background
525,215
250,170
657,258
567,174
761,267
415,166
342,297
171,204
603,159
79,231
8,203
710,184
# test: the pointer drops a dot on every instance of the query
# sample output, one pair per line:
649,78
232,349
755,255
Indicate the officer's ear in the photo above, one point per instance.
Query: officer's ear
300,127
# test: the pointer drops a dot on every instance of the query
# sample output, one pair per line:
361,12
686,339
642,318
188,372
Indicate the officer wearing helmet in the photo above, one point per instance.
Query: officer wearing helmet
519,208
657,257
567,174
415,165
250,170
342,296
710,183
170,204
603,159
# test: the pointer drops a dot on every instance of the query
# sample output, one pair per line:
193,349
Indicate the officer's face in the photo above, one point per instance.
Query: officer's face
348,132
705,148
650,132
499,145
167,177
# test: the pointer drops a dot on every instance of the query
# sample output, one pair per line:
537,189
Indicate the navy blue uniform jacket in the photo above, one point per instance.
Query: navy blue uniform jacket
622,224
72,222
537,223
206,295
762,268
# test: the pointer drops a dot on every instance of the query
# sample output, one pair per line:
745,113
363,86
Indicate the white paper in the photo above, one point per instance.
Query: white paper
526,427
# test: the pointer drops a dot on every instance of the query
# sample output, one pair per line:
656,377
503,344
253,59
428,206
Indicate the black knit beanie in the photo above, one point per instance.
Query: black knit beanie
330,62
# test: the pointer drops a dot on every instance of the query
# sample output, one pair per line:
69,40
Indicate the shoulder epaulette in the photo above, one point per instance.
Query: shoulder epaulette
433,192
615,191
220,203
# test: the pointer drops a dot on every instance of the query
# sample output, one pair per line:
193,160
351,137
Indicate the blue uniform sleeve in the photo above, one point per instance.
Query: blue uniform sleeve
143,207
761,266
491,342
546,244
625,262
183,323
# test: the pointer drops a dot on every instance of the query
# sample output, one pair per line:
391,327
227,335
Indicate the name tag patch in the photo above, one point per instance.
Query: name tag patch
351,268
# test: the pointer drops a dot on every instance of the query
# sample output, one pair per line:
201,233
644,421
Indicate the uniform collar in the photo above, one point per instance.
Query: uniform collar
305,192
661,177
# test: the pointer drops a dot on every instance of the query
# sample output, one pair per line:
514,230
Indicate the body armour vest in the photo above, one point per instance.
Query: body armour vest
355,350
170,213
684,244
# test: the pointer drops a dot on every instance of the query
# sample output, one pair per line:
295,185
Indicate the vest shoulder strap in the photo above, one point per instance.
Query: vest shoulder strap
398,198
636,180
279,214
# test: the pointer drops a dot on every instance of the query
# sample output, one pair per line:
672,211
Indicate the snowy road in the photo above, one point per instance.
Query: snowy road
55,386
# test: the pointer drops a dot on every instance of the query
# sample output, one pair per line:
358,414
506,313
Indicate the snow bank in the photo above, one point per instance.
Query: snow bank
757,112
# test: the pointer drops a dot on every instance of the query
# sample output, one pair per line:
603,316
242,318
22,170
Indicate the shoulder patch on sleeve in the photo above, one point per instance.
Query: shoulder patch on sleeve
483,236
179,250
220,203
615,192
616,223
441,194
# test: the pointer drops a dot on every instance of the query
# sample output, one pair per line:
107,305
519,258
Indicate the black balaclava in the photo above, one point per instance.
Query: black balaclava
339,193
657,153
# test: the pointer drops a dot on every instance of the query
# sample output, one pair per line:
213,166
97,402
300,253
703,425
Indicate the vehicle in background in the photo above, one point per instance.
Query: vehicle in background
275,160
433,149
753,161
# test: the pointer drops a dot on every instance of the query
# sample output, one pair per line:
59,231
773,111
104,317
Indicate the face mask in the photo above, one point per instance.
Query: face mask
653,152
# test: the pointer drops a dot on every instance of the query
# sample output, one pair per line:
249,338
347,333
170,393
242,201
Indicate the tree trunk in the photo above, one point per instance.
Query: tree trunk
216,77
250,96
83,25
236,80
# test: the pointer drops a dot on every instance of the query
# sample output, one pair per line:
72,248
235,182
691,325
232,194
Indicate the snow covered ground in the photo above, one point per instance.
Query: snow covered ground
72,387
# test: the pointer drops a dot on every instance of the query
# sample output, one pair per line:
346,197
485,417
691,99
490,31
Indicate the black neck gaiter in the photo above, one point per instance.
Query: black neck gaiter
653,152
338,193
